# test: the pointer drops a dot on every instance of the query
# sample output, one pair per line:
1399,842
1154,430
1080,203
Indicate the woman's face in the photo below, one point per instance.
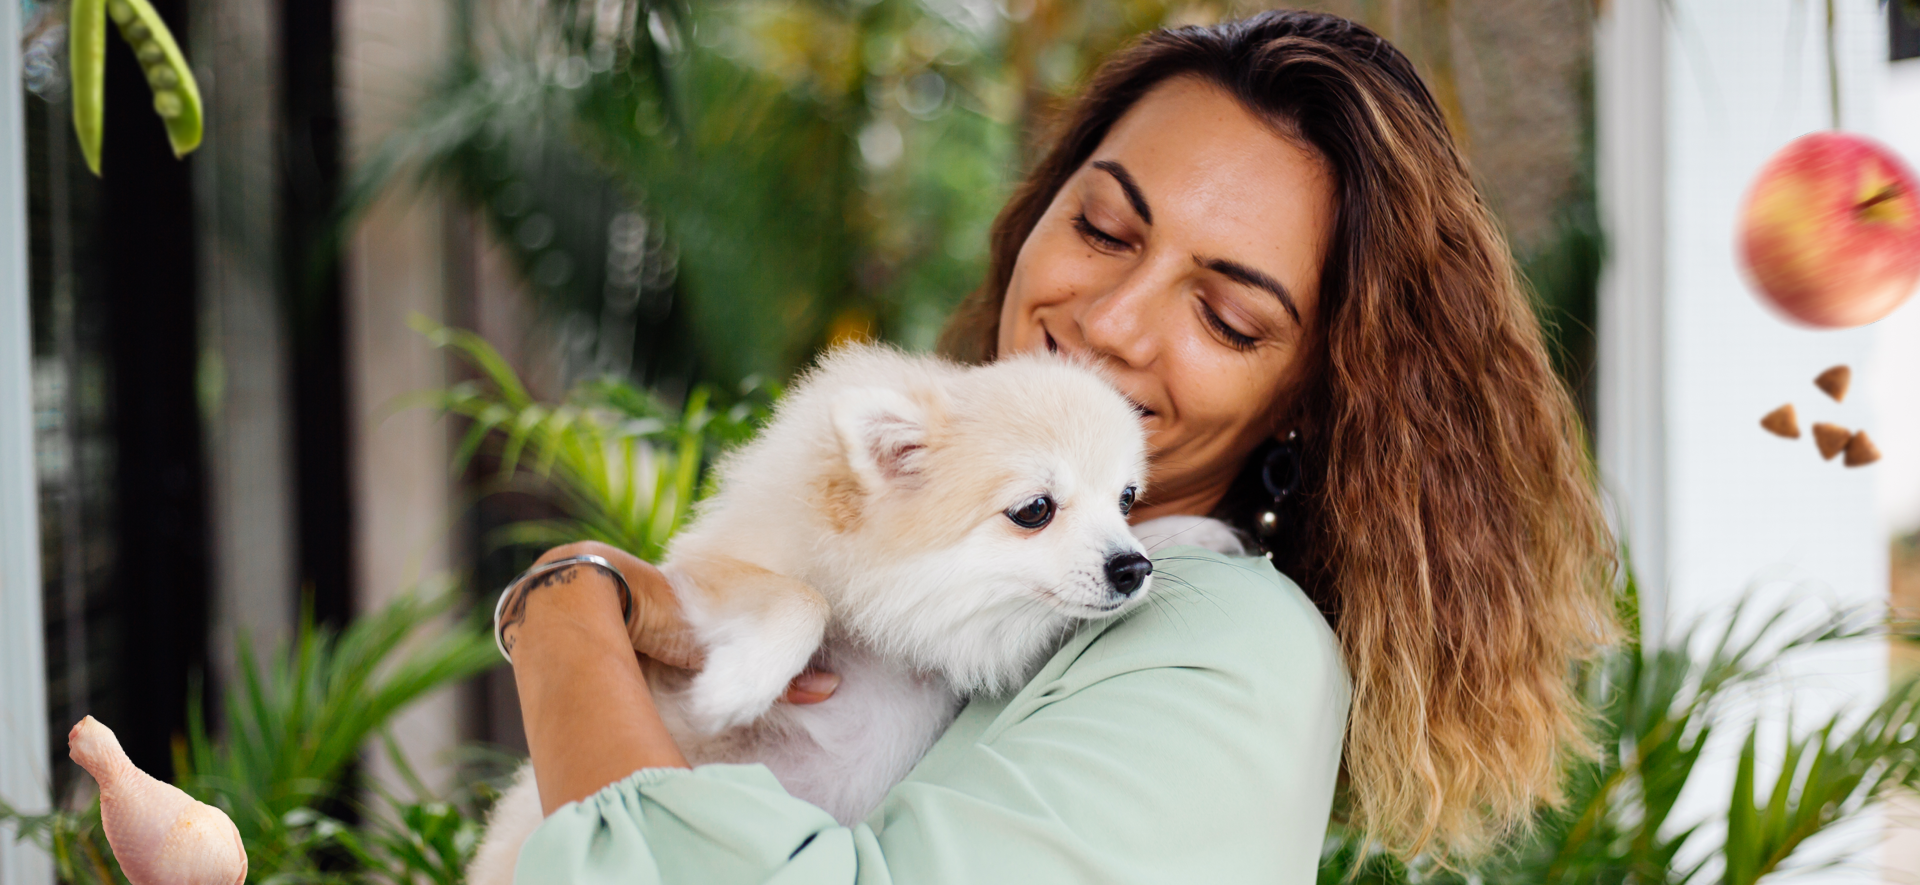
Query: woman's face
1184,257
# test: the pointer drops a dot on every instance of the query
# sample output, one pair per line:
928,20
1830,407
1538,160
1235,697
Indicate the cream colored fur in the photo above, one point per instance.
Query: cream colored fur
866,530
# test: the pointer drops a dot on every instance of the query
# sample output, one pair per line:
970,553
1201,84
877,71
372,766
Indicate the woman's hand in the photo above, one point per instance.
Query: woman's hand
660,631
811,686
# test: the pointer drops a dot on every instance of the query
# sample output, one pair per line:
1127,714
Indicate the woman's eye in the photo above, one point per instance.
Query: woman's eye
1097,236
1033,514
1234,337
1126,501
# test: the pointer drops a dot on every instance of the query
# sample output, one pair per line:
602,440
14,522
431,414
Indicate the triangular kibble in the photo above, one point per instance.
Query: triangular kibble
1831,438
1834,381
1782,422
1861,451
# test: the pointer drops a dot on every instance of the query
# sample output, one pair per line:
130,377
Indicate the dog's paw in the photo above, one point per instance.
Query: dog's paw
737,686
758,634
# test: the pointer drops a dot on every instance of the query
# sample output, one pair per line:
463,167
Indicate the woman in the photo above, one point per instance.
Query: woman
1264,230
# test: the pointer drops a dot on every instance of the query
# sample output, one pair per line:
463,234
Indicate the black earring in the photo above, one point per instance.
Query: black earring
1280,473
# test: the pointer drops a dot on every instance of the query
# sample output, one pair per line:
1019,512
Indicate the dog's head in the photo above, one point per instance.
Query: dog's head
979,512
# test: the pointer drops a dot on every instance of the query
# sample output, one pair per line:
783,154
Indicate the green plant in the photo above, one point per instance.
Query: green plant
293,731
626,466
424,841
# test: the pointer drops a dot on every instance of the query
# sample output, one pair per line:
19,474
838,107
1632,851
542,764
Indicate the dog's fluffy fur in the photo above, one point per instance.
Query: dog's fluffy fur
867,530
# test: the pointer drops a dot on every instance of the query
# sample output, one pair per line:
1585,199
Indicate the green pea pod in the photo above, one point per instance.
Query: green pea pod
176,97
87,55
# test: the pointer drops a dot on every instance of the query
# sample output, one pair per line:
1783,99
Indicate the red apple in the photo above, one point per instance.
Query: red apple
1830,233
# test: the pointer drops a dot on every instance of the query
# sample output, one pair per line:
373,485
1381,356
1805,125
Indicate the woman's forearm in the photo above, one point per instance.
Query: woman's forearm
590,719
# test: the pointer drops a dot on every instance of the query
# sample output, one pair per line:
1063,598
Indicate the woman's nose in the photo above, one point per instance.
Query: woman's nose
1122,322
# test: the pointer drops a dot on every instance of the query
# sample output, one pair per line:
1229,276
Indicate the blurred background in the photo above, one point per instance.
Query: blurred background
241,368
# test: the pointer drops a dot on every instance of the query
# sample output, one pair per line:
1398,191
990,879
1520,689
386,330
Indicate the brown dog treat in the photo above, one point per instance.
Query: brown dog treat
1861,451
1831,438
1782,422
1834,381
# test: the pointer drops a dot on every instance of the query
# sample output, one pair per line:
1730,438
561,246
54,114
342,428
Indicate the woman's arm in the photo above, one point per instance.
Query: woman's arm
589,717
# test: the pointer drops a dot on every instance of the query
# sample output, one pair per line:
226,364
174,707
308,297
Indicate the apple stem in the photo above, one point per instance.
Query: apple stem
1887,193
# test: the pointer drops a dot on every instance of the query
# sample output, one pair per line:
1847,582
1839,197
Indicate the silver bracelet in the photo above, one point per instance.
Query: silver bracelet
514,587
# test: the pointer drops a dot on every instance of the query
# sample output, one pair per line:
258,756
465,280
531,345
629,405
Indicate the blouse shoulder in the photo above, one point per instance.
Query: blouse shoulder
1196,737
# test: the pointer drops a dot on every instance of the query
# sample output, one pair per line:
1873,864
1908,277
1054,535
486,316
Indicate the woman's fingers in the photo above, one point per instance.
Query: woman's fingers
657,627
812,686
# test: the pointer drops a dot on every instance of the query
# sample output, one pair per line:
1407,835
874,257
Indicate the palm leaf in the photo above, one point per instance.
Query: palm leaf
624,466
1824,777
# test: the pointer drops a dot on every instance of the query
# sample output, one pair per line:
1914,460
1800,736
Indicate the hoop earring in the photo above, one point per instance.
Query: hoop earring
1280,473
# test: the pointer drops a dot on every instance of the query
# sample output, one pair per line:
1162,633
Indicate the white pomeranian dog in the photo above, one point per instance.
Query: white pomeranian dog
925,530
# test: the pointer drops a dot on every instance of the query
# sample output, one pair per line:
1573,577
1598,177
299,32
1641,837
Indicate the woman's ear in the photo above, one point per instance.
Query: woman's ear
882,433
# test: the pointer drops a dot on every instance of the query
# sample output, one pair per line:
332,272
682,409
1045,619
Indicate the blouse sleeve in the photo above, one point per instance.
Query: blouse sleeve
1195,739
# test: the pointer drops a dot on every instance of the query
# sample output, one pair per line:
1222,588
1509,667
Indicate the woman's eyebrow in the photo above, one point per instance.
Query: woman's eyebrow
1241,273
1134,196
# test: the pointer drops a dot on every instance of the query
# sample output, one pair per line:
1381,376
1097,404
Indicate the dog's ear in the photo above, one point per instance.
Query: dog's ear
882,433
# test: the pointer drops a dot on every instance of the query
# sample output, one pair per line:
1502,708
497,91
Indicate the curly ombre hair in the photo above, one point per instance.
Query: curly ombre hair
1447,524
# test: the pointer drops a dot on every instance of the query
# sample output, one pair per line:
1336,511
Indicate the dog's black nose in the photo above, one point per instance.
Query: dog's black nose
1127,571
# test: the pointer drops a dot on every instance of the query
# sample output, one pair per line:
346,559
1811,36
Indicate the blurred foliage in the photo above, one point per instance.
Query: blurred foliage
626,468
718,189
283,768
1564,271
292,731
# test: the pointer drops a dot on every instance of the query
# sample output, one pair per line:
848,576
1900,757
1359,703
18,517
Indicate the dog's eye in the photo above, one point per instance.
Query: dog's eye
1126,501
1033,514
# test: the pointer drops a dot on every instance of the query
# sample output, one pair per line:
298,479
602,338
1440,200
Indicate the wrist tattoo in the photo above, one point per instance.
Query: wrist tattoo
511,611
516,608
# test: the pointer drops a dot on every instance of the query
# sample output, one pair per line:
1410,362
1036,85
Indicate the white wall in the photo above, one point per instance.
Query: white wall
23,698
245,373
1695,95
1895,378
396,267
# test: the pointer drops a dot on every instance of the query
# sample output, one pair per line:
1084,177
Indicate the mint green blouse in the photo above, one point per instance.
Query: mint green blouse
1194,739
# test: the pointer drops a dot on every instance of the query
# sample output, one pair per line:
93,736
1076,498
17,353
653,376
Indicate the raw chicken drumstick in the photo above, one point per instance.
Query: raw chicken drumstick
160,835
